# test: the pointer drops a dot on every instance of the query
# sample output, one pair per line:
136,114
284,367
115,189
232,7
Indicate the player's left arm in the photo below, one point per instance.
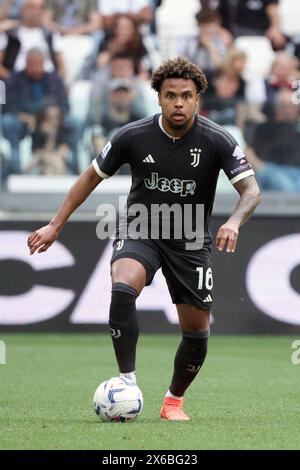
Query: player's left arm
249,199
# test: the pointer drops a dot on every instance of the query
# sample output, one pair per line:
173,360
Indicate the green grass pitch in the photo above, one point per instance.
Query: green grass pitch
246,396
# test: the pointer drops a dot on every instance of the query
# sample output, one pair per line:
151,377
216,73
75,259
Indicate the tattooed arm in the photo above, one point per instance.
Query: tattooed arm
249,199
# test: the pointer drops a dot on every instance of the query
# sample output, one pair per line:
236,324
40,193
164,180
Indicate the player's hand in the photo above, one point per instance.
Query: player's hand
228,233
42,239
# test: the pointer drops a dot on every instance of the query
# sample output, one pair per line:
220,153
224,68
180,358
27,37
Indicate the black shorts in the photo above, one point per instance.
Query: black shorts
188,273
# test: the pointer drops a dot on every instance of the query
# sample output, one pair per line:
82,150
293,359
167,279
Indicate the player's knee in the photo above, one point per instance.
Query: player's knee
195,325
129,272
123,299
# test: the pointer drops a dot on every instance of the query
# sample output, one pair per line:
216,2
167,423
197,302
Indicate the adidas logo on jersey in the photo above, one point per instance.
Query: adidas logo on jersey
208,298
238,153
149,159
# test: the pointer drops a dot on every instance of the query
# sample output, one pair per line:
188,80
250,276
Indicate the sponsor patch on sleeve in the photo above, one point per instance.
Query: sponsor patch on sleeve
106,149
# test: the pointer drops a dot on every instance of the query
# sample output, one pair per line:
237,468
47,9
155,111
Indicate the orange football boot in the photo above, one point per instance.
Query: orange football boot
172,410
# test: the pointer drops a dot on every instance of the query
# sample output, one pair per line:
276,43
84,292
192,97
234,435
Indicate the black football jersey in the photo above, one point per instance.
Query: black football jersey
167,170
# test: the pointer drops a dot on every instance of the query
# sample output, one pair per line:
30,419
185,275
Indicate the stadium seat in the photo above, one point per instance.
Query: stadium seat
75,51
25,150
260,55
290,14
79,98
175,22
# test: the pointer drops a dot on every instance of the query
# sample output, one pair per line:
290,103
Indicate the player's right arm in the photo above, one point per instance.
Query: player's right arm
43,238
113,155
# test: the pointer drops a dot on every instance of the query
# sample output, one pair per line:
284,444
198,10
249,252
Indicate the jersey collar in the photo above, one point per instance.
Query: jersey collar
174,139
162,128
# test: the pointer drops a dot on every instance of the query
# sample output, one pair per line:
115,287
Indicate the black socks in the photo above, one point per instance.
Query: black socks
123,325
124,330
189,358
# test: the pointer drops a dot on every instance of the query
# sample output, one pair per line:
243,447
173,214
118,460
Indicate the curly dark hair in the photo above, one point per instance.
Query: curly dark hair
179,68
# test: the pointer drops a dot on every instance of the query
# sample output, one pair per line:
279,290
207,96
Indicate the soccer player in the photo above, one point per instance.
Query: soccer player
175,158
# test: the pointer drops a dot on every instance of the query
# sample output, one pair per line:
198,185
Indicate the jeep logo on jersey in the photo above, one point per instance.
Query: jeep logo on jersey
195,154
175,185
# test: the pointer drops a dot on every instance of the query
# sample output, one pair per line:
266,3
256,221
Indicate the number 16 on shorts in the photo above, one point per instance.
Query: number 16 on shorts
205,278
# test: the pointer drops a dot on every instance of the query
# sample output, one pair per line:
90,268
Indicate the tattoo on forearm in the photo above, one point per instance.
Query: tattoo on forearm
249,199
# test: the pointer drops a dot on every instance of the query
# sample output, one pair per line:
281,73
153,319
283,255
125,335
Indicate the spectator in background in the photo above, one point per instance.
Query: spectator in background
274,151
72,16
15,43
125,38
139,10
26,93
283,74
121,66
251,18
228,90
50,143
261,93
118,109
208,49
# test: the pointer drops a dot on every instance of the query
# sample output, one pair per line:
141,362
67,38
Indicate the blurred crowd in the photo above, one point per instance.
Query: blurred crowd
62,118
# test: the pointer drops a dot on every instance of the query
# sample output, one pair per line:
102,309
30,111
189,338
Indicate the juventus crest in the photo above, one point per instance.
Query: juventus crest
195,154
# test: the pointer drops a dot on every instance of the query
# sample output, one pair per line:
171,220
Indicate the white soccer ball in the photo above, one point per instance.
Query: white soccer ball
118,400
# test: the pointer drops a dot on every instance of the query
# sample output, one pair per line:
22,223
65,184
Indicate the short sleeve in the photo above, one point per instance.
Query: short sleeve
232,158
113,156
